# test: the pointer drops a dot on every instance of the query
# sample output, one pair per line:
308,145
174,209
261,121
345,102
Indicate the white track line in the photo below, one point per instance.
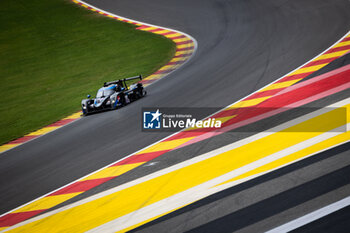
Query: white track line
206,188
169,135
152,25
195,45
194,51
317,214
203,190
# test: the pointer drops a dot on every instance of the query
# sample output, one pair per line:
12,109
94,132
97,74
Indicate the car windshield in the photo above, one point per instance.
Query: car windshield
104,93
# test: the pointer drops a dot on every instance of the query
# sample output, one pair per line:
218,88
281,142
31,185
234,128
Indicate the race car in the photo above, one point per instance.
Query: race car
112,95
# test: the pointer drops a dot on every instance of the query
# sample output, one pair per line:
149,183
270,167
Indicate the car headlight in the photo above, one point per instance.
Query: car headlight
113,99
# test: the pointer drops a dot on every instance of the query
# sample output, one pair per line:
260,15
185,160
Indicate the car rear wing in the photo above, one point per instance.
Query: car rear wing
122,81
131,78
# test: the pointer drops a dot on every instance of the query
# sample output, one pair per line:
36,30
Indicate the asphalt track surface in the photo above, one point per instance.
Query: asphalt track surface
243,45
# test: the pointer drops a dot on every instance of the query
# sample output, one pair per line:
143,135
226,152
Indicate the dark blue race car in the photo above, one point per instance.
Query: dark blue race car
112,95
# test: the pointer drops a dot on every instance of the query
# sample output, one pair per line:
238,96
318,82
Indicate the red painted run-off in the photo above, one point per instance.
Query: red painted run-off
139,158
297,95
81,186
14,218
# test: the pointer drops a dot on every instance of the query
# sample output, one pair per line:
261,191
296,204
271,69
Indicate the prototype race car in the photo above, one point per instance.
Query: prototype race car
112,95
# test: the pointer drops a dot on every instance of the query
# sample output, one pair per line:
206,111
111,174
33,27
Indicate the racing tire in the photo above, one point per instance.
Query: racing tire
122,100
85,112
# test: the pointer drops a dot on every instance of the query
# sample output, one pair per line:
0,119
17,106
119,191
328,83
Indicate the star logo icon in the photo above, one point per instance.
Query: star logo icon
156,115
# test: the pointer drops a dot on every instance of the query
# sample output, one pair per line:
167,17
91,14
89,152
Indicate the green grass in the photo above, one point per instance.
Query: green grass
54,52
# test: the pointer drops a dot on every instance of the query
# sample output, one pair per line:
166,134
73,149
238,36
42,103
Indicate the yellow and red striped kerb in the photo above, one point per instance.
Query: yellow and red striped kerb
171,143
40,132
185,47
